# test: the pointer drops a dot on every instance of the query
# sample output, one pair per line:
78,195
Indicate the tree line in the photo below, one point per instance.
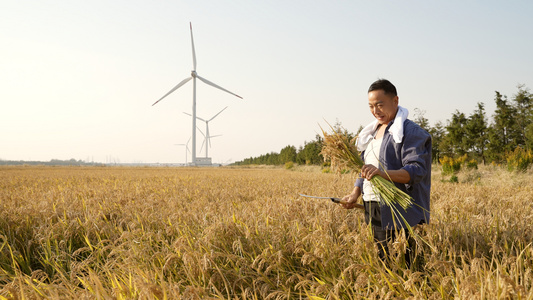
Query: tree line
308,154
479,136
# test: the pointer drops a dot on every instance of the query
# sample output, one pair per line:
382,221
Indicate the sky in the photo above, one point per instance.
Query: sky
78,78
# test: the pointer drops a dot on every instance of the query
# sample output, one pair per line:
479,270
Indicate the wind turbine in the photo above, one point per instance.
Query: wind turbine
194,76
206,135
186,149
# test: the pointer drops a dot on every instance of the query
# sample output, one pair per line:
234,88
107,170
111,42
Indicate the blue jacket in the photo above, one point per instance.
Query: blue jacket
413,154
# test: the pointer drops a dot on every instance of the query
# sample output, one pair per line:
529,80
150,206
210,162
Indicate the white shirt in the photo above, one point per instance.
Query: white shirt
371,158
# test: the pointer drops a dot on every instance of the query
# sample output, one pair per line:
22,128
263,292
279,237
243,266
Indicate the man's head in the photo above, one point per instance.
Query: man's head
383,101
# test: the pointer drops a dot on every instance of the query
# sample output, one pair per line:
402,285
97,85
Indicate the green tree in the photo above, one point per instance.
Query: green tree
476,132
454,142
272,159
523,102
529,136
310,153
502,133
437,135
287,154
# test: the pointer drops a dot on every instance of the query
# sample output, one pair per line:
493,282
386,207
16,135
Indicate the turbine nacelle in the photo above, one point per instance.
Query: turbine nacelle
193,74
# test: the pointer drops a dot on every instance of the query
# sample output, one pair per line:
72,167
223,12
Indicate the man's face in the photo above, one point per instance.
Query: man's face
382,106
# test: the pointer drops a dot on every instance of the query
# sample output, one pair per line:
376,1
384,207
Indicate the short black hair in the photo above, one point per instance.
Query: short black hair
384,85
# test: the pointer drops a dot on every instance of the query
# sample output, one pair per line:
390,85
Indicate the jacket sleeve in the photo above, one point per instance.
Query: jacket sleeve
416,154
359,183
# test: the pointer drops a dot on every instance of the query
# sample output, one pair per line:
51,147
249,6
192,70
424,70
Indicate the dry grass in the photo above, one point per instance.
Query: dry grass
157,233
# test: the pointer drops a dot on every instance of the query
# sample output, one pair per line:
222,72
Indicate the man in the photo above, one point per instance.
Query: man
397,149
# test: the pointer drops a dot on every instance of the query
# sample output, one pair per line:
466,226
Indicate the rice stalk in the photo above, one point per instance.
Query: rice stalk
339,148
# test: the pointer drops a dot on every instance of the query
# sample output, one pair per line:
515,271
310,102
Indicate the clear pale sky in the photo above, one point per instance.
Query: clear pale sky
78,78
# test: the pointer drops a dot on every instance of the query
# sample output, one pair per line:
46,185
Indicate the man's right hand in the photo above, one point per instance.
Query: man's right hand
351,199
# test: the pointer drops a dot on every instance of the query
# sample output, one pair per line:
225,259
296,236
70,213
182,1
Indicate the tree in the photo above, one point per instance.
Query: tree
523,102
419,119
437,133
502,135
287,154
476,132
454,142
310,153
529,136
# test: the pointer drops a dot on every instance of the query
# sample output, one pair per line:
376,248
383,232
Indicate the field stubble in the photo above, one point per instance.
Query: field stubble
156,233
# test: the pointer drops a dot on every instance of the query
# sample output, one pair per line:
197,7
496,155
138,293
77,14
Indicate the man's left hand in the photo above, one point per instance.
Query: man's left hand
369,171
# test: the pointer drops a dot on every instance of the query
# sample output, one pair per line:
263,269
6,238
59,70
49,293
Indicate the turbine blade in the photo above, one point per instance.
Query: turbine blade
214,85
184,81
193,52
202,146
212,136
217,114
196,117
200,131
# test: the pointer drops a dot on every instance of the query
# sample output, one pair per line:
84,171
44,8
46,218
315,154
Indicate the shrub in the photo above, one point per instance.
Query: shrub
451,165
289,165
454,179
471,164
519,159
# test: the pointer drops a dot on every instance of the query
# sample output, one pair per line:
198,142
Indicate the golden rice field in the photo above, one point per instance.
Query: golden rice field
224,233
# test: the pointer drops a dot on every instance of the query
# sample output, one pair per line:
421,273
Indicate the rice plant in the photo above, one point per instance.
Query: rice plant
179,233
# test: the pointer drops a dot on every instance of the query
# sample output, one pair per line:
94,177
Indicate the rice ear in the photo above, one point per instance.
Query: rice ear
341,151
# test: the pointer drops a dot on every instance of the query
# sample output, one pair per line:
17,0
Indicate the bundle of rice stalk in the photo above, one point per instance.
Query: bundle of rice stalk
339,148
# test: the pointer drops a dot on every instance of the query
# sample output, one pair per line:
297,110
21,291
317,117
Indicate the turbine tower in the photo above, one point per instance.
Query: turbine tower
194,76
207,136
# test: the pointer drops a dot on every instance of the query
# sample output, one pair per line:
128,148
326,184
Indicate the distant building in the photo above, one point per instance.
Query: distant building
203,162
